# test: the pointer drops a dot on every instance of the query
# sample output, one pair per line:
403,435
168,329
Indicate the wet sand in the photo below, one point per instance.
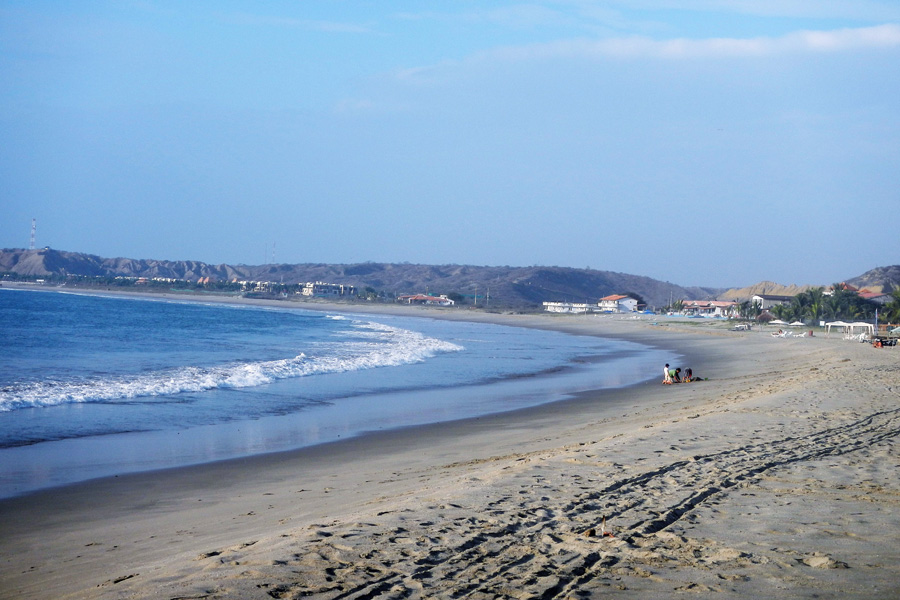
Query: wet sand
777,477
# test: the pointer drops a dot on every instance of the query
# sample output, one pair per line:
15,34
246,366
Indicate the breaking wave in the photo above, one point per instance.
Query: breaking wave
375,346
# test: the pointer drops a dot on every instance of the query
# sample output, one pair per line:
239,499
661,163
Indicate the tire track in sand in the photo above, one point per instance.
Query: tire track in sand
533,545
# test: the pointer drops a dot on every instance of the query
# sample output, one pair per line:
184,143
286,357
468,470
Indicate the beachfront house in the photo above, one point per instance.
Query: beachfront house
569,307
710,308
876,297
843,286
767,301
441,300
618,303
320,289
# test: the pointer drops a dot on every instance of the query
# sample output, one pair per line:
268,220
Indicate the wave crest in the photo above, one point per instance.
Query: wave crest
377,346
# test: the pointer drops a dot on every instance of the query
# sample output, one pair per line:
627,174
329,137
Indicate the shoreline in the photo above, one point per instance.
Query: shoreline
217,435
516,502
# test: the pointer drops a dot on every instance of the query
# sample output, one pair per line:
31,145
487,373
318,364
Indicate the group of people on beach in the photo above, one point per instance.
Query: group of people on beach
671,375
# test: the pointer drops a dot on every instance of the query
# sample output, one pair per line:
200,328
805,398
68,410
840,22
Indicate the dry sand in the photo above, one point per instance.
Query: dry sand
776,478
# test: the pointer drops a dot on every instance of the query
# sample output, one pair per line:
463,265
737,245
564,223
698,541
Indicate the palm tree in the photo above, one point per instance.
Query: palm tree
780,311
799,307
753,309
891,311
832,305
816,303
853,311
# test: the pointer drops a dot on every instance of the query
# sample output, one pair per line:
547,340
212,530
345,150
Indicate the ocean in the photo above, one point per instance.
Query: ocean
94,386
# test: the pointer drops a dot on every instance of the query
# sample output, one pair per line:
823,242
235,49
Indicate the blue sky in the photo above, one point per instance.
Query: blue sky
703,142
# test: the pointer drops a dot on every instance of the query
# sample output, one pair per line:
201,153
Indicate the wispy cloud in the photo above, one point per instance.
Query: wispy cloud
638,16
871,10
638,47
882,36
878,10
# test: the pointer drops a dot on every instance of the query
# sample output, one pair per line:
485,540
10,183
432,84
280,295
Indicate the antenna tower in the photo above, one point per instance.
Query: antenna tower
33,227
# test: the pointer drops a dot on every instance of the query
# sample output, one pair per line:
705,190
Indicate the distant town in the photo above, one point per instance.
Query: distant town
873,297
812,307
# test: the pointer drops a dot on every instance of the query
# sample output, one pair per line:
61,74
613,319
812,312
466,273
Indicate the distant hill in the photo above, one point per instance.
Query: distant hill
763,287
880,279
517,287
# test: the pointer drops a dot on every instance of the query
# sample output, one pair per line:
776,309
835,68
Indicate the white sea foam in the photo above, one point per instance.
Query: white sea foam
377,346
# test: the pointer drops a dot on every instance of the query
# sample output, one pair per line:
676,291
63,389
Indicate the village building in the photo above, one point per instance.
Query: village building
320,289
767,301
441,300
876,297
709,308
569,307
618,303
843,286
259,287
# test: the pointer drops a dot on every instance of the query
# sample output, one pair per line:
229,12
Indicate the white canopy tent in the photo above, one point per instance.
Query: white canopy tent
840,325
850,328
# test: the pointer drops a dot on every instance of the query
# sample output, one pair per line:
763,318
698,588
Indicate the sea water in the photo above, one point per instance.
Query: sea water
95,386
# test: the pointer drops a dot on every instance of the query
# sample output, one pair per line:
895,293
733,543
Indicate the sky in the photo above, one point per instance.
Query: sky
702,142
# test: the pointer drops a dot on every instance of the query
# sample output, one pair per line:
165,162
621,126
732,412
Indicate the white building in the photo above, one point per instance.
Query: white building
618,303
709,308
320,289
569,307
767,301
441,300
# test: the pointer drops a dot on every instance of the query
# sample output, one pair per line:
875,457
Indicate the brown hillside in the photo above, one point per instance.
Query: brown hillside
764,287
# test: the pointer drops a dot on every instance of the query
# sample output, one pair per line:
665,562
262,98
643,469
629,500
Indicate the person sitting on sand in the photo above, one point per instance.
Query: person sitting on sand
675,375
689,376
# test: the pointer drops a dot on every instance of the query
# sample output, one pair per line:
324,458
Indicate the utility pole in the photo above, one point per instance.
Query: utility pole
33,228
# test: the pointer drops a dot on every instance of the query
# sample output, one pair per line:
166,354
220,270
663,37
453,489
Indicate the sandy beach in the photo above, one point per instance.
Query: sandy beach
777,477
